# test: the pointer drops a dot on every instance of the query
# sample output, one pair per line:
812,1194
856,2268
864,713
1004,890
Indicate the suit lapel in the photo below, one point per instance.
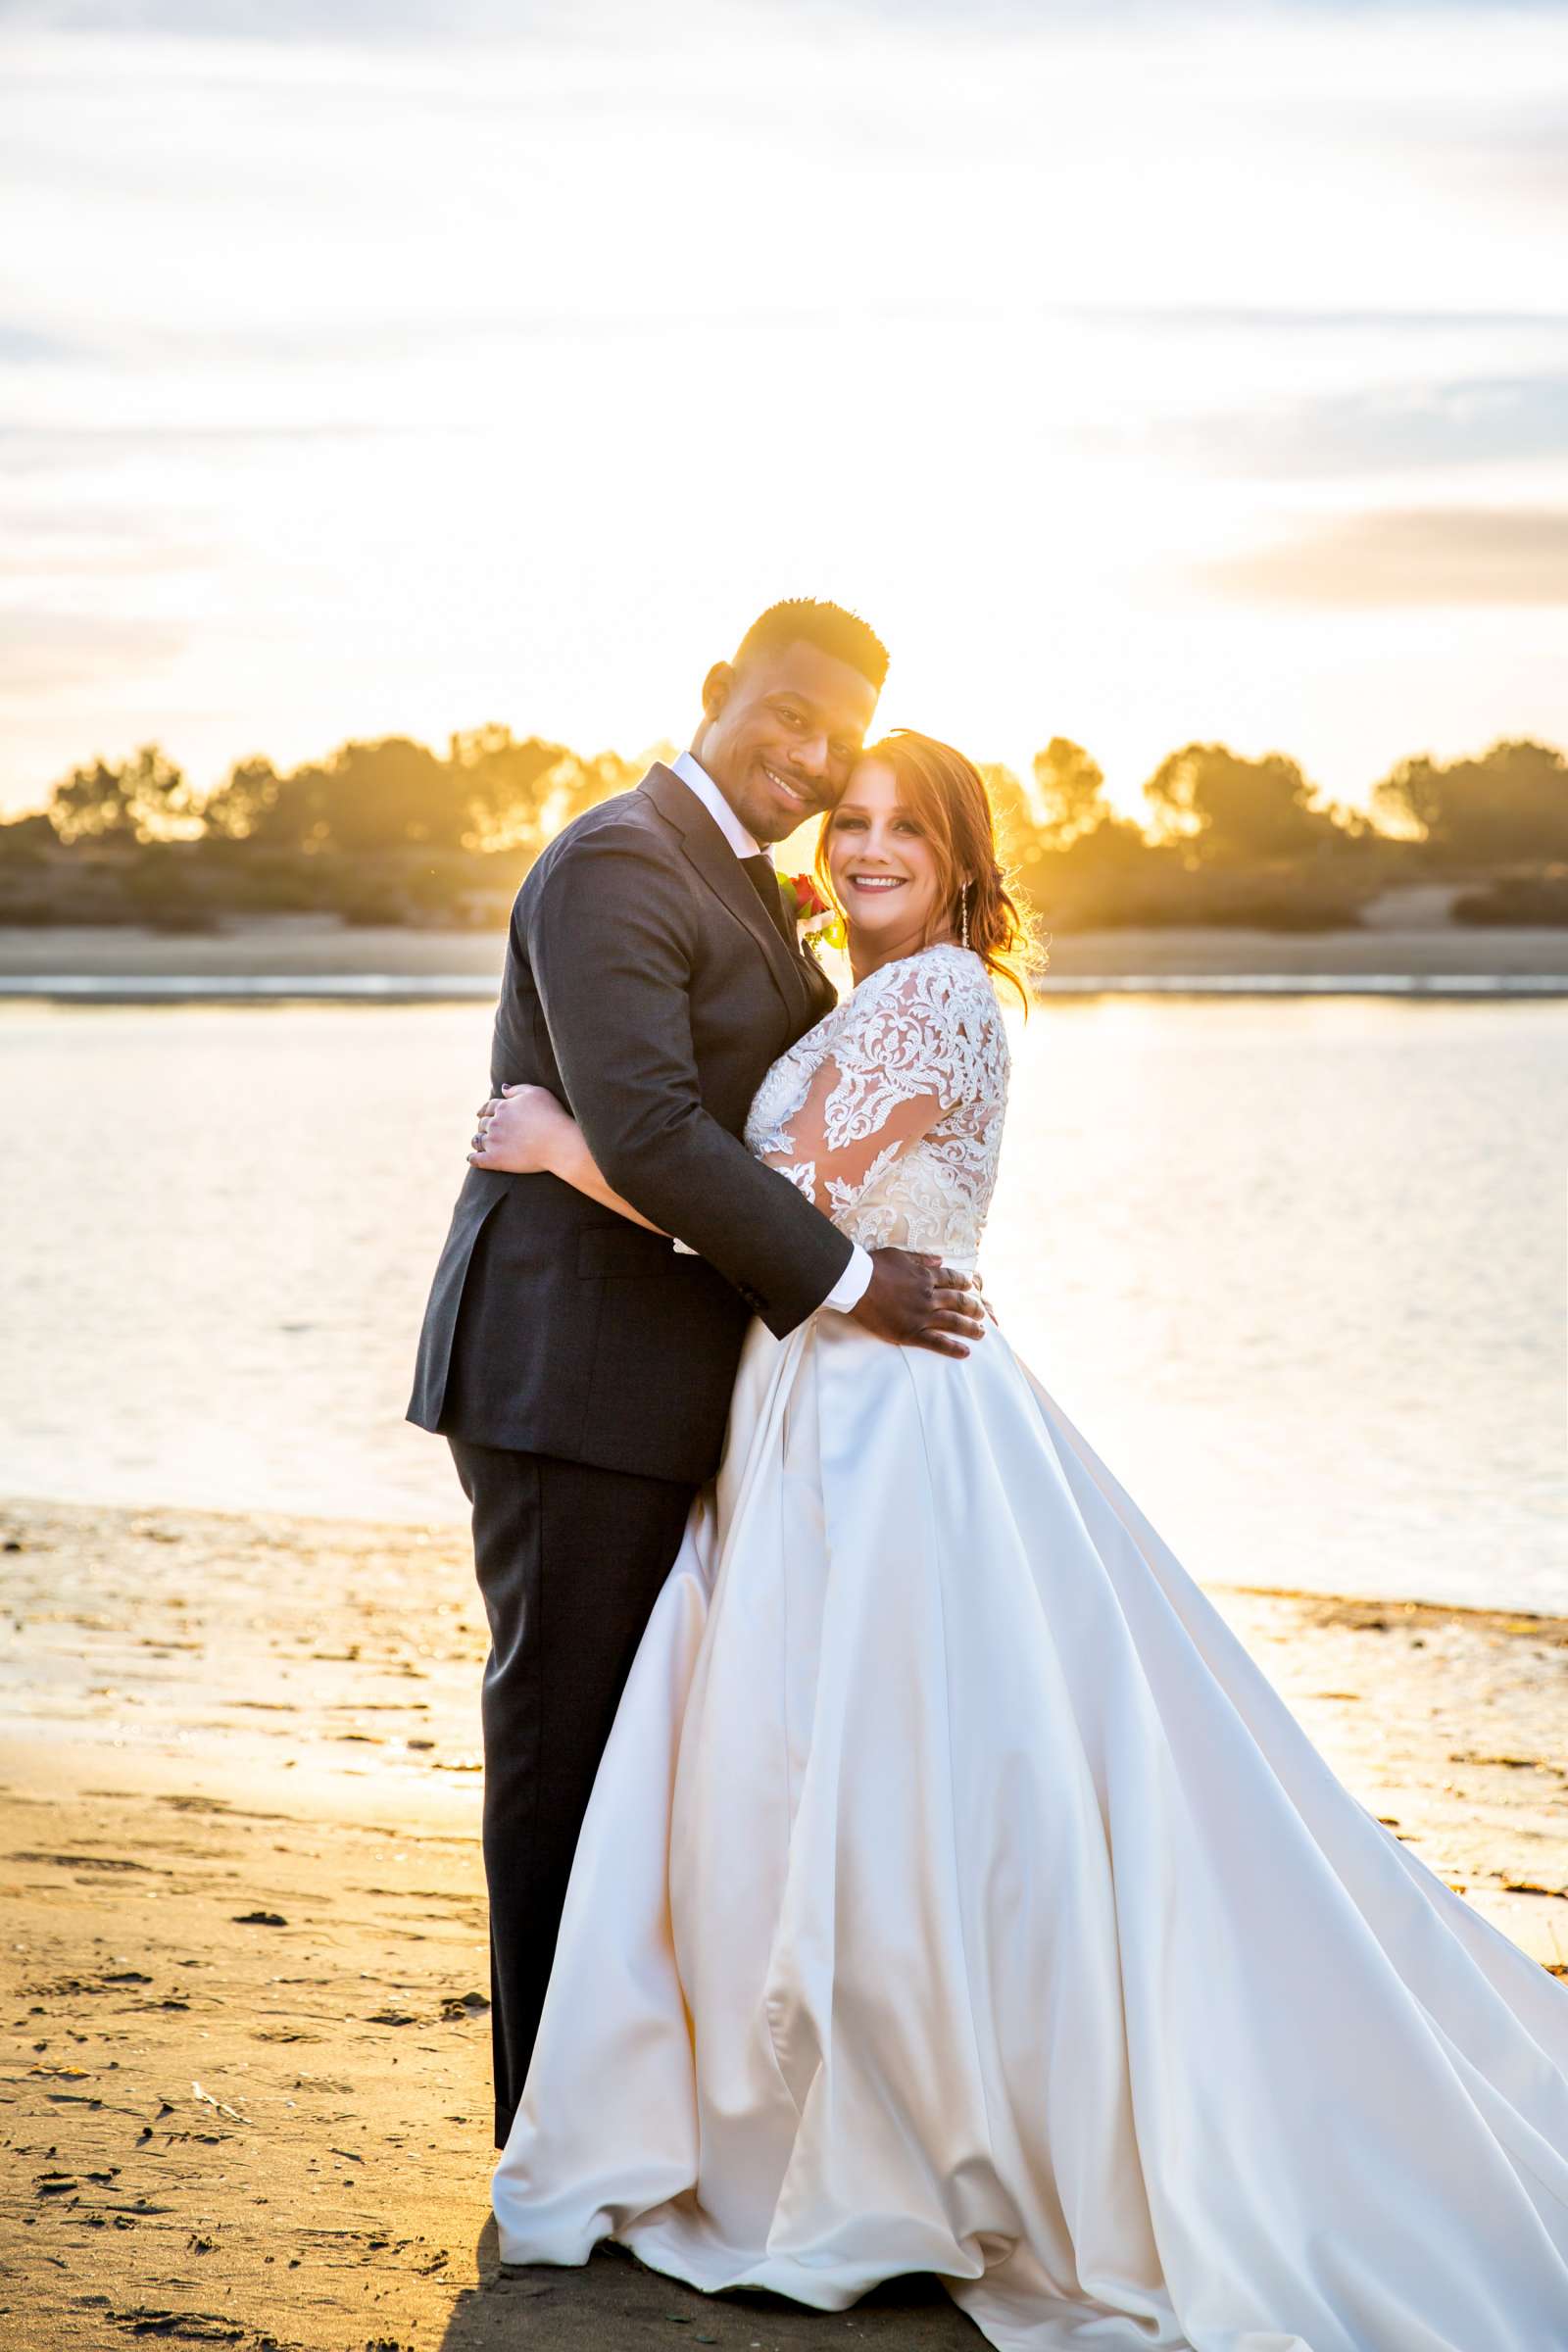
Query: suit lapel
710,854
818,987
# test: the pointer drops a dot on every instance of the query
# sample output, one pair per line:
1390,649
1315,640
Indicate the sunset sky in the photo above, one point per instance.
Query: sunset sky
1142,372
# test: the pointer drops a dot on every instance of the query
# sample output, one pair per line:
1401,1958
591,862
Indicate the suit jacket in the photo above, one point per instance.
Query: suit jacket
644,985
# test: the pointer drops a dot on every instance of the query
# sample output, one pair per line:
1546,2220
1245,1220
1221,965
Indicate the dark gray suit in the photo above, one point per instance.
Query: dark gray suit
580,1366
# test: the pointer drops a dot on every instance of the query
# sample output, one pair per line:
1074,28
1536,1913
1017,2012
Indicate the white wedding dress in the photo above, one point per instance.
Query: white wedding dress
957,1895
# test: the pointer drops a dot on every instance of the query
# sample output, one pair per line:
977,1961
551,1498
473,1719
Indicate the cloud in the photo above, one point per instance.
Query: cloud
68,449
451,21
24,347
389,23
86,543
1481,421
1416,556
272,20
42,652
393,335
1263,318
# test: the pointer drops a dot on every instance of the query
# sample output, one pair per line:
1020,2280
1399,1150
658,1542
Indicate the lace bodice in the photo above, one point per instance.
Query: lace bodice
888,1115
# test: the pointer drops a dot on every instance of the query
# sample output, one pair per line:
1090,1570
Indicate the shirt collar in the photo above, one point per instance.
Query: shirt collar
696,779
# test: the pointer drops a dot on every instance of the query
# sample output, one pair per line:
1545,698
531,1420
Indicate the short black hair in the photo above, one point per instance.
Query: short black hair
803,619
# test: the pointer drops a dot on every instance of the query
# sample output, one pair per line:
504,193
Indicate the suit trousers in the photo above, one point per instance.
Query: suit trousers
570,1561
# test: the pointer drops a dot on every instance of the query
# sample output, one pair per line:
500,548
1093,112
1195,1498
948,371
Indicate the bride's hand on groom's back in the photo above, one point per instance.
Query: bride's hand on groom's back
519,1131
916,1302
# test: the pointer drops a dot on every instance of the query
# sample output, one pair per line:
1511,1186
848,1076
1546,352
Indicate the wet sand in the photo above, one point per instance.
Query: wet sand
246,2072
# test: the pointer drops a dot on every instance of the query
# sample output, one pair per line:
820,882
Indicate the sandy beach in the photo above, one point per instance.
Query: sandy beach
246,2076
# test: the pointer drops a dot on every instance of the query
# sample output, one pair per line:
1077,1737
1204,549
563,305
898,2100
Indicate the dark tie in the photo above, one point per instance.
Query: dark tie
764,881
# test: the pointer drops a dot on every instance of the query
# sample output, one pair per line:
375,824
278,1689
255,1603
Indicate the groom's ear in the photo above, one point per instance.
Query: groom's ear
717,687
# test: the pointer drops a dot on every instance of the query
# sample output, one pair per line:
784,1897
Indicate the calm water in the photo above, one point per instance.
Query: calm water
1295,1268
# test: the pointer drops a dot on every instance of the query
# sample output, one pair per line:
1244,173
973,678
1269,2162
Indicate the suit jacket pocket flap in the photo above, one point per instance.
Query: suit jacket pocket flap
624,1249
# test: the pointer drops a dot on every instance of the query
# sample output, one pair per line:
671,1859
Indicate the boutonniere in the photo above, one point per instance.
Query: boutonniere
806,905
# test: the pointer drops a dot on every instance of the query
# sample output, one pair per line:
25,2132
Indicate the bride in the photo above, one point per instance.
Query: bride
955,1893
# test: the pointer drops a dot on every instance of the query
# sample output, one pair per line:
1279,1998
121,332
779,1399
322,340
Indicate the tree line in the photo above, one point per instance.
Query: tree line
392,830
492,792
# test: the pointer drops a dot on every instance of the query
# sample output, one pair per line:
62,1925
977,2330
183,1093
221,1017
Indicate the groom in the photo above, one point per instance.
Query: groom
578,1365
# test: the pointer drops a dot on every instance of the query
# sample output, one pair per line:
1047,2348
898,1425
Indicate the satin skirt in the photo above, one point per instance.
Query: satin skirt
957,1895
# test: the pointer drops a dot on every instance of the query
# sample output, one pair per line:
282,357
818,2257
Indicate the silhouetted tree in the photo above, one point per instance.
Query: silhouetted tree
27,840
146,797
1020,839
242,805
1509,807
584,783
1227,809
1077,840
507,787
1409,799
390,794
1071,789
393,794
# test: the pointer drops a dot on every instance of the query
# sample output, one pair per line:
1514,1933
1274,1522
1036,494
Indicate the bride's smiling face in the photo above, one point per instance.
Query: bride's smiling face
885,872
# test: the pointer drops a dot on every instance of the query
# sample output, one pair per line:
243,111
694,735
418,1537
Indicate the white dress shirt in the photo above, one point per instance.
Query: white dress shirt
696,779
855,1281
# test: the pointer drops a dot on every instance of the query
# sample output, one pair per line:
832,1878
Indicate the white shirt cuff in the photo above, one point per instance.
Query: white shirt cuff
851,1285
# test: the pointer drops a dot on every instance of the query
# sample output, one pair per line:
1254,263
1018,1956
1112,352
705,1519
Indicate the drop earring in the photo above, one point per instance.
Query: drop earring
963,916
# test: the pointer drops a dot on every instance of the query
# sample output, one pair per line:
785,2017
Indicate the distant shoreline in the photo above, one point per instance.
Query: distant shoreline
312,957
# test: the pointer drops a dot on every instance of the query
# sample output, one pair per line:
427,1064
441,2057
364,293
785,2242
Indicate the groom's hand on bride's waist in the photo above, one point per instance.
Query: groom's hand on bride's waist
916,1302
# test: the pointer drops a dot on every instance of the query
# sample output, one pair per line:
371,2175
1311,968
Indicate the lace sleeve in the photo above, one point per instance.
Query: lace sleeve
914,1056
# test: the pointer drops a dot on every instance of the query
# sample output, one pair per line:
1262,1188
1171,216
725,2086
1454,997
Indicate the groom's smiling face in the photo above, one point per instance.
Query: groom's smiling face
780,734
